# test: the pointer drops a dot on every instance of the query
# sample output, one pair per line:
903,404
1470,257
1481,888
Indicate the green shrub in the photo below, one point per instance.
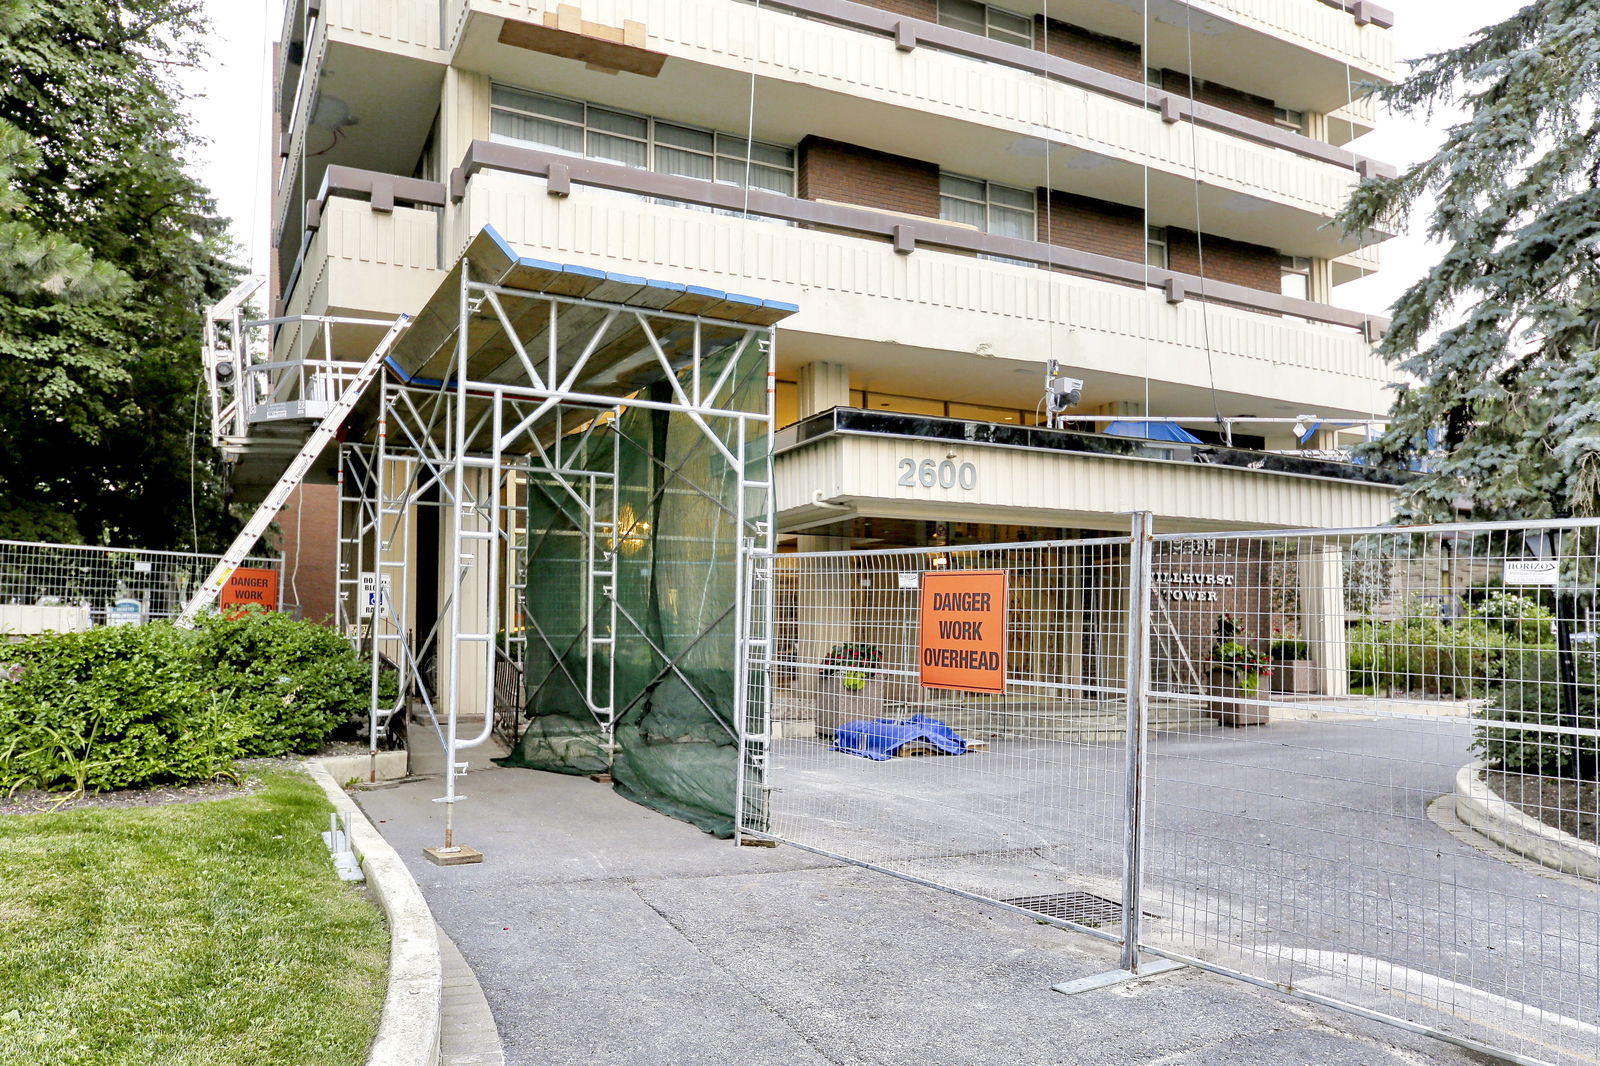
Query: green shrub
1424,654
1288,649
130,706
291,683
1520,618
1529,690
115,707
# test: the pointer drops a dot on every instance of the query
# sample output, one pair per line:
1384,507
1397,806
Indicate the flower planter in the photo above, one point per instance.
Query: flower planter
1294,675
1233,704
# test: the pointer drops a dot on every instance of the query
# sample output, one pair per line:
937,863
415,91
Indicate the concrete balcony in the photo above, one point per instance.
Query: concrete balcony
359,261
912,299
847,463
1078,129
1304,53
364,94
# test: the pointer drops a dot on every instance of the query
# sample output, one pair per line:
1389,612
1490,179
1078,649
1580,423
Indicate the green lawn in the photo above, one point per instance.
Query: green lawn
203,933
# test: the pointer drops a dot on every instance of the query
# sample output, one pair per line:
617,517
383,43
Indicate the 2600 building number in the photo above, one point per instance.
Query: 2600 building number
945,475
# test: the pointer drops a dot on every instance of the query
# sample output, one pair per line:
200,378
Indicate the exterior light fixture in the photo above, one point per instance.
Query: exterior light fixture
631,534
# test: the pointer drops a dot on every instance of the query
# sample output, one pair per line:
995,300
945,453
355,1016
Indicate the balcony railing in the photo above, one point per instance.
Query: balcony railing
906,233
909,33
848,420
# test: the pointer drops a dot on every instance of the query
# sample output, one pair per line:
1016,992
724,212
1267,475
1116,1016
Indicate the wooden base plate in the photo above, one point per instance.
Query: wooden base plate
460,855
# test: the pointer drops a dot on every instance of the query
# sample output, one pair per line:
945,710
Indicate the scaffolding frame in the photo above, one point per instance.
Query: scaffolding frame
475,437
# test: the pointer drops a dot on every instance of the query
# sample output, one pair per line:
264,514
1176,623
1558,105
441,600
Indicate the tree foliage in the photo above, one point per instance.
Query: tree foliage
108,251
31,261
1497,343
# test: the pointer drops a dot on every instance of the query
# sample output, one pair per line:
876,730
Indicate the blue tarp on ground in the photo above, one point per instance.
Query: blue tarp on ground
1152,431
883,738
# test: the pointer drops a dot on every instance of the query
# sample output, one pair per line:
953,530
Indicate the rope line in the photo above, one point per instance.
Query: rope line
1199,237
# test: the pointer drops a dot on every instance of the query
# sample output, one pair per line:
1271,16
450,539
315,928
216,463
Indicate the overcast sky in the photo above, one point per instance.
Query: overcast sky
231,91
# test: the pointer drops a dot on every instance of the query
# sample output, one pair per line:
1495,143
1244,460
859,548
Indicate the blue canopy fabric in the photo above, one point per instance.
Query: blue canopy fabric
882,738
1153,431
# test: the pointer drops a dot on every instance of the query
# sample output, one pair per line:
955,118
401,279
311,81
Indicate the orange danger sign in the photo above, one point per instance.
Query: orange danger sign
963,631
250,585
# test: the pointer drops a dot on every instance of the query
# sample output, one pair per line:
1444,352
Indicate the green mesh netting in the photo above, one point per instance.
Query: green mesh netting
675,555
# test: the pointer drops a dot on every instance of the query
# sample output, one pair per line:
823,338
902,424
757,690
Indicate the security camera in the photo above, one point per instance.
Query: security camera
1060,393
1065,393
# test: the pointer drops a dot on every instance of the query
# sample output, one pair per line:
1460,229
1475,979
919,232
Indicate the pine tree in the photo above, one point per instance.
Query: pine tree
1499,344
31,261
108,253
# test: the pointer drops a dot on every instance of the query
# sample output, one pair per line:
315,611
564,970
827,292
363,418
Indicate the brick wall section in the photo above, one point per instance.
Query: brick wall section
926,10
1117,230
1208,92
1182,600
312,543
850,174
1090,225
1066,41
1250,265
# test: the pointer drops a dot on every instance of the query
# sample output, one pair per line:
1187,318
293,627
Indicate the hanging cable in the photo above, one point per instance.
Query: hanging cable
194,460
1144,170
1199,238
294,571
750,124
1047,275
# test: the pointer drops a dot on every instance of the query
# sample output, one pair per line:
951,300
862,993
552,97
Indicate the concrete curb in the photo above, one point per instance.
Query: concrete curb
1500,821
391,766
408,1031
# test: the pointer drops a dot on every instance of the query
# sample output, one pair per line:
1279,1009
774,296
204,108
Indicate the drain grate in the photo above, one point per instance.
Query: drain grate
1084,908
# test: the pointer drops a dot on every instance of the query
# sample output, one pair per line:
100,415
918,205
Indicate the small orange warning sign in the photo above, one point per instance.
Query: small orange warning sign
963,631
250,585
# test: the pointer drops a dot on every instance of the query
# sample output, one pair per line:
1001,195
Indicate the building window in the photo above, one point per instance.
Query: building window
999,209
1294,279
1289,119
987,20
557,124
1294,273
1155,247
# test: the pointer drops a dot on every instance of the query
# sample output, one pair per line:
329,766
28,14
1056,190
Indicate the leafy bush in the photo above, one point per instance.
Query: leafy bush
1520,618
1529,690
1424,654
292,683
116,707
130,706
1288,649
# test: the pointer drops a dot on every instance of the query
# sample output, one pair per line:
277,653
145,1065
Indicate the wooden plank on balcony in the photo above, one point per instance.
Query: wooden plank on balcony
574,43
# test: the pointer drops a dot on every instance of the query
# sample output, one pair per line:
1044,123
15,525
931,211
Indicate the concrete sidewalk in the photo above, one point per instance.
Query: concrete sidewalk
603,932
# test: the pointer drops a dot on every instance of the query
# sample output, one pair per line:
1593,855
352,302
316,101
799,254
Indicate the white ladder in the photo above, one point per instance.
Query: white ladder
295,473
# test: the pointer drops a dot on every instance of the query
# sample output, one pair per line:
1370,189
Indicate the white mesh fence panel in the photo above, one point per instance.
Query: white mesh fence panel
1327,712
1034,808
1306,831
88,577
